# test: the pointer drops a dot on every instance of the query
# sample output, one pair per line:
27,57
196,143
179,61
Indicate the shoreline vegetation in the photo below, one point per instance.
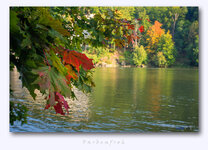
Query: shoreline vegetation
146,37
115,59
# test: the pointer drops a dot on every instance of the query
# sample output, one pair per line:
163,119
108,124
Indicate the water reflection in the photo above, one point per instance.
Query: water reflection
124,100
148,99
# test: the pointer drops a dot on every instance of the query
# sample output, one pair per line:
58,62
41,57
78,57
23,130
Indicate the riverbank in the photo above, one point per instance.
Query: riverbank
123,59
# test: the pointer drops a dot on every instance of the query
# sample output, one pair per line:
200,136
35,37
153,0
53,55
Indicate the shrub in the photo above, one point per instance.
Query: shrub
160,60
139,56
166,46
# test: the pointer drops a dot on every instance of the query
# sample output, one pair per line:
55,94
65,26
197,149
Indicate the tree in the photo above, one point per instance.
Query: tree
38,48
168,16
196,51
153,36
139,56
126,12
160,60
160,46
166,46
175,13
192,43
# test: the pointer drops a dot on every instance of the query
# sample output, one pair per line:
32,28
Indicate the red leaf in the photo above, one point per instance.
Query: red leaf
58,108
77,59
62,101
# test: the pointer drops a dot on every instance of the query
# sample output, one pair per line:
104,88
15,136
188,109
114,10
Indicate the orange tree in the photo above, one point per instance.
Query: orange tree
154,34
160,46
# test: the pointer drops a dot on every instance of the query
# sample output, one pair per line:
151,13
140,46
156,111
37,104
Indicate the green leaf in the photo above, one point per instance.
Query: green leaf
50,79
27,77
58,64
26,42
14,21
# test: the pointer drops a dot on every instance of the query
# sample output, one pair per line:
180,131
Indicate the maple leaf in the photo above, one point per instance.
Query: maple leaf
48,20
56,78
58,109
77,59
50,79
43,80
62,101
57,63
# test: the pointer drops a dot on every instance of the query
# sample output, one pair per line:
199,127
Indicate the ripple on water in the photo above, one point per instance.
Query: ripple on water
124,102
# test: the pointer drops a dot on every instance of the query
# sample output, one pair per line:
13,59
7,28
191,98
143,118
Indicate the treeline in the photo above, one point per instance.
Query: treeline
156,36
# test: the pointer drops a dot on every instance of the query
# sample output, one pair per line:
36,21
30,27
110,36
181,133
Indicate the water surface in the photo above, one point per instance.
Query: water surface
124,100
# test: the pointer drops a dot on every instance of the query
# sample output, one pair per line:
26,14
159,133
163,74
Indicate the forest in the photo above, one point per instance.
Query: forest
152,36
55,48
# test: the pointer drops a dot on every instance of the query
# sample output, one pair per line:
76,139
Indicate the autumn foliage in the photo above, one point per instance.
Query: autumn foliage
141,29
154,33
134,33
57,78
61,102
77,59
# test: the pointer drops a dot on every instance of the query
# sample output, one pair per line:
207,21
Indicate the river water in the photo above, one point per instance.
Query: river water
124,100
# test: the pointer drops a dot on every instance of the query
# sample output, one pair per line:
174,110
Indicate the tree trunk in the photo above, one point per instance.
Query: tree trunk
175,18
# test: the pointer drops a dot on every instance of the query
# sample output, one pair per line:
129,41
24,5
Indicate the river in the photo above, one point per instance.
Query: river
124,100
